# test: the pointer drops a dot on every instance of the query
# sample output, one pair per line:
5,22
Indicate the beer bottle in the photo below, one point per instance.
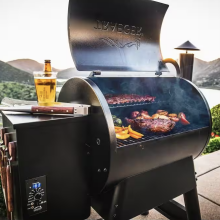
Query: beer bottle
47,67
45,83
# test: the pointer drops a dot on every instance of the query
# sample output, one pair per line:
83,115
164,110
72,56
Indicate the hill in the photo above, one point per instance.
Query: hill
28,65
207,75
10,73
199,65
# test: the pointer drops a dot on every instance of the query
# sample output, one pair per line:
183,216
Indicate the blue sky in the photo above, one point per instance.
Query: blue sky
38,29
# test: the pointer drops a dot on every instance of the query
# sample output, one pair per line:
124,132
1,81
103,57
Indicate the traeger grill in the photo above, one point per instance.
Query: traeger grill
135,149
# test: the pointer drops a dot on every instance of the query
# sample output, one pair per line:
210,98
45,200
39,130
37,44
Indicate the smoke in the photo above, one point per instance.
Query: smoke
172,94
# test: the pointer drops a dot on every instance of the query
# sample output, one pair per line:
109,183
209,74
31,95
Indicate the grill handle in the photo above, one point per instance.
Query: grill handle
12,150
51,109
176,65
9,189
3,177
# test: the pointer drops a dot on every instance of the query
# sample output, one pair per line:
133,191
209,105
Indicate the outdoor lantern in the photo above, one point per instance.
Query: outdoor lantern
187,60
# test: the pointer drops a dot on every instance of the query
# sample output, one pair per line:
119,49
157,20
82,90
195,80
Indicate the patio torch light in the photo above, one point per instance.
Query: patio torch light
187,60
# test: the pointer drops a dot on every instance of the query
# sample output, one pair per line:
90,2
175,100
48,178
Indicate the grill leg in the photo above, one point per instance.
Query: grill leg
192,205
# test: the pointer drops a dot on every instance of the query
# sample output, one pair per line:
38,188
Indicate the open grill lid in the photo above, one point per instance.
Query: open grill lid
116,35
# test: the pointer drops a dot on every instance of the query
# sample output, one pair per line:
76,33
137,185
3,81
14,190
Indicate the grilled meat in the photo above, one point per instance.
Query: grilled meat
135,114
173,115
144,112
152,125
162,113
174,119
125,98
155,116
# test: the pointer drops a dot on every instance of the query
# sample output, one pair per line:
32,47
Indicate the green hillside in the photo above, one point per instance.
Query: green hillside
10,73
17,91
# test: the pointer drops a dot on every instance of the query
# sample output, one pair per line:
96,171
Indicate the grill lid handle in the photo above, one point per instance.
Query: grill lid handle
176,65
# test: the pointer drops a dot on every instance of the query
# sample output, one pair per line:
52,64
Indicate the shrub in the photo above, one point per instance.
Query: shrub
214,143
17,91
216,119
213,146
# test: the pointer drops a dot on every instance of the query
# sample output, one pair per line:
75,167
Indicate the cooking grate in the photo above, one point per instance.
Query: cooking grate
151,136
134,104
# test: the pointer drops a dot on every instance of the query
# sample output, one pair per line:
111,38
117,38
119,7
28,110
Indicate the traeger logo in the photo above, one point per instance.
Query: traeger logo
121,29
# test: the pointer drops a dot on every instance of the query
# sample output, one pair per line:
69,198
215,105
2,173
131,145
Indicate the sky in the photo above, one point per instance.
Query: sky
37,29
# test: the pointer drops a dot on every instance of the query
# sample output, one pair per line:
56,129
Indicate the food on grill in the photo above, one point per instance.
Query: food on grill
182,118
122,136
114,117
145,115
173,115
134,132
162,121
125,98
118,130
163,117
152,125
135,136
160,125
155,116
174,119
126,132
140,115
158,116
162,112
117,121
135,114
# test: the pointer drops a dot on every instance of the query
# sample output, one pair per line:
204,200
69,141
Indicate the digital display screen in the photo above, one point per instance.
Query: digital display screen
36,185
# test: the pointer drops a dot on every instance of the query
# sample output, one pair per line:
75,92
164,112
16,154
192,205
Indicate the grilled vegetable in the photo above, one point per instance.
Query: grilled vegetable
182,118
134,136
114,117
124,132
122,136
116,127
118,130
118,122
134,132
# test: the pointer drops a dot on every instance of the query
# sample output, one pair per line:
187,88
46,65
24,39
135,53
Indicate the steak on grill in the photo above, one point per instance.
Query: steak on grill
152,125
125,98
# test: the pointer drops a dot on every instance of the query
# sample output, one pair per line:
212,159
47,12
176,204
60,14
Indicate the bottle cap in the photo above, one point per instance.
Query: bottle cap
47,61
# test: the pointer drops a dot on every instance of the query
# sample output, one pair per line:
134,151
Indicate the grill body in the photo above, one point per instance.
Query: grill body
113,160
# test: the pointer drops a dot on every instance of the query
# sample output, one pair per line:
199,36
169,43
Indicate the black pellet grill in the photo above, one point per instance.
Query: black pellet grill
78,161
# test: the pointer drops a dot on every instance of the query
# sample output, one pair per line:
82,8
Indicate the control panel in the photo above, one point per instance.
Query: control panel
36,195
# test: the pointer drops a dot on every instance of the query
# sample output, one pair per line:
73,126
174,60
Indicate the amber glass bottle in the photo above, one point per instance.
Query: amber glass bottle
47,67
46,85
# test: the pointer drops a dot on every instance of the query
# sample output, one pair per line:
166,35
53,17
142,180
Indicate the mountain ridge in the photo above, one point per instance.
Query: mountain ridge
12,74
205,74
29,65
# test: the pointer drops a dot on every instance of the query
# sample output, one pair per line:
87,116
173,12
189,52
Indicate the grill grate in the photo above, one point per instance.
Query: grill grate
151,136
134,104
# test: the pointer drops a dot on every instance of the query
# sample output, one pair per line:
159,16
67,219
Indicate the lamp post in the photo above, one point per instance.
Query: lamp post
187,60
